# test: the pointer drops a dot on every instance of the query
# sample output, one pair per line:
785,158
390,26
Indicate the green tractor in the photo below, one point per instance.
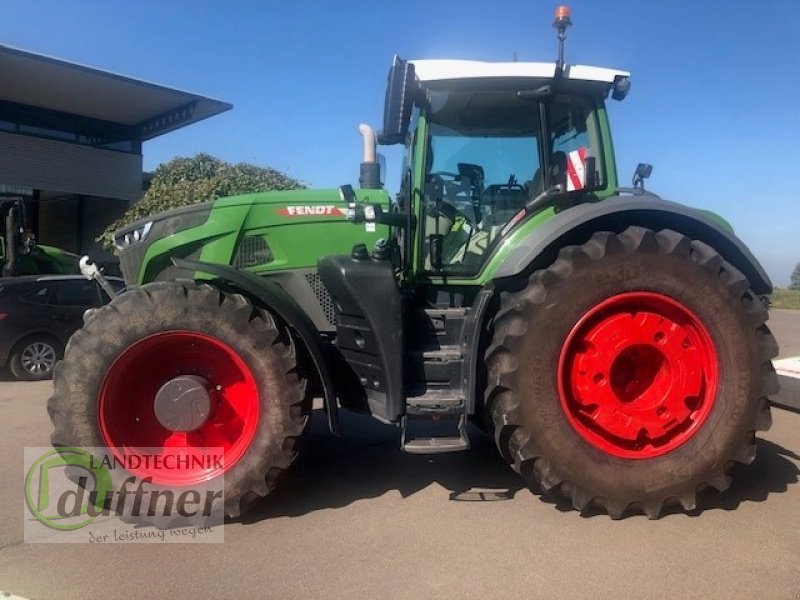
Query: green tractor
613,343
19,252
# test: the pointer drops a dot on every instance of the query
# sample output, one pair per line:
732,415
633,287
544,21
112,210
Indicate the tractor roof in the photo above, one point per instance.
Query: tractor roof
441,70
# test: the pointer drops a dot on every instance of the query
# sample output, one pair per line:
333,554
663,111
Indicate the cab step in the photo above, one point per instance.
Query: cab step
436,402
436,444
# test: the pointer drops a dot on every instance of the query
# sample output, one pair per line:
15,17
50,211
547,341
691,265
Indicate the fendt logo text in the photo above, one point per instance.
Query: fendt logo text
311,210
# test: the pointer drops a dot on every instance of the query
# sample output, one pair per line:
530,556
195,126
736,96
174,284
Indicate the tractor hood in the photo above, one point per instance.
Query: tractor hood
263,232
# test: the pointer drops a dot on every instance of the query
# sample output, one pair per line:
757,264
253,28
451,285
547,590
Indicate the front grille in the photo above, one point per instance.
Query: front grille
323,297
253,250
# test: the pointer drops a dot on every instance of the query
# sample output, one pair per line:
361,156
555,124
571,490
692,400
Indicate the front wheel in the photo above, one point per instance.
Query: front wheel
179,368
631,373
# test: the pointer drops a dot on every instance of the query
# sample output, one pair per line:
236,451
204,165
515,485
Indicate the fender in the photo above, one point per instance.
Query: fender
274,297
574,225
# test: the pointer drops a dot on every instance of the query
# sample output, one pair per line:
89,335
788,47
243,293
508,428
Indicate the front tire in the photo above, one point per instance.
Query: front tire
631,373
235,355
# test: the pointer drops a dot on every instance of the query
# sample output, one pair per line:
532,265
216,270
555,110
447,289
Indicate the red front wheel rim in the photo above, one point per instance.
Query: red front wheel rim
130,427
637,375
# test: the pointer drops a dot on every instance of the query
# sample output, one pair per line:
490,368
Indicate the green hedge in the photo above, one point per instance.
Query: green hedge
201,178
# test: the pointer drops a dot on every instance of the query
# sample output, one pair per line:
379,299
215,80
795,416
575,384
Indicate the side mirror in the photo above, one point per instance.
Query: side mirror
620,88
401,89
346,194
382,163
643,171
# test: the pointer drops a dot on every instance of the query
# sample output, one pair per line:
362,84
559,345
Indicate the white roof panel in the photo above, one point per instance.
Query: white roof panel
440,70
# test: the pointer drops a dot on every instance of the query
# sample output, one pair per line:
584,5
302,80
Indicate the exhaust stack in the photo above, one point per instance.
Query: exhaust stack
370,176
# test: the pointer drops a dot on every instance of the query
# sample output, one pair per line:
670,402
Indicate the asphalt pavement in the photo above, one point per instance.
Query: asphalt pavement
356,519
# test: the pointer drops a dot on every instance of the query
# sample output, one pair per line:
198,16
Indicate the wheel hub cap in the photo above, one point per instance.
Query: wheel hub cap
638,375
38,358
183,403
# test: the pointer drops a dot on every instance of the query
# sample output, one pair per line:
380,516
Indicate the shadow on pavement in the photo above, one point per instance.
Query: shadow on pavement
771,473
5,375
367,463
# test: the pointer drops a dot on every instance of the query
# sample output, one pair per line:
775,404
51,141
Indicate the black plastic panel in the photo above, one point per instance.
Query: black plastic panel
369,327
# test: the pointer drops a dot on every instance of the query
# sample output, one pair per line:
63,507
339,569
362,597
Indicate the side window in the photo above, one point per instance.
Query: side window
39,295
576,158
77,293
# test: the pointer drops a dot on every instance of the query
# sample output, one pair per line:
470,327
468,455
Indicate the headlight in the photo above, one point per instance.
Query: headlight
133,236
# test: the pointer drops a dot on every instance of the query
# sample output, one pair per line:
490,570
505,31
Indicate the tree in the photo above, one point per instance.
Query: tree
201,178
794,282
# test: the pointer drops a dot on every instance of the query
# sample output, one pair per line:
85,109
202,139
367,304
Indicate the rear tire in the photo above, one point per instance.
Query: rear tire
112,368
587,401
34,358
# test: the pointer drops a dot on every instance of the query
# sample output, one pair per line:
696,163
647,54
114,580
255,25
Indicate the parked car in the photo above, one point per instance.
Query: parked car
38,314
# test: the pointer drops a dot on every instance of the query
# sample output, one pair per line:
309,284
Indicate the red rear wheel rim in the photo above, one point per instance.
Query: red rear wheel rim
637,375
128,422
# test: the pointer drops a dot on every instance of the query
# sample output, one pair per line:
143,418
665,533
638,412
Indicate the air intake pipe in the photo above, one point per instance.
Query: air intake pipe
370,175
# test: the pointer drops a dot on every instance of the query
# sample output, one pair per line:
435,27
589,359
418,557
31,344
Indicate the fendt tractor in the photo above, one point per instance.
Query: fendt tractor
613,343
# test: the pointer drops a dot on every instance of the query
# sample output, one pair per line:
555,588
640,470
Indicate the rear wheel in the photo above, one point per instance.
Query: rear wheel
631,373
34,358
180,368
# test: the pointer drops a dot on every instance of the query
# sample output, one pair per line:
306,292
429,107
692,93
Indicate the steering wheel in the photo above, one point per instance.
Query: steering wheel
457,191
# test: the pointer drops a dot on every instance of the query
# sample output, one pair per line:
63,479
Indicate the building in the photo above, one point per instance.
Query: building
71,142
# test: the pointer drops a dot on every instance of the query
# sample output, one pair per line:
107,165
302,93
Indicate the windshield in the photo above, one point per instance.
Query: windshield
483,154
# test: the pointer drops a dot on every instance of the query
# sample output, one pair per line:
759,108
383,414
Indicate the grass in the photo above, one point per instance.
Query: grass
785,299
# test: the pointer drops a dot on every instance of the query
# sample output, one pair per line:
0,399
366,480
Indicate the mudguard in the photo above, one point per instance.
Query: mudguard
618,212
276,299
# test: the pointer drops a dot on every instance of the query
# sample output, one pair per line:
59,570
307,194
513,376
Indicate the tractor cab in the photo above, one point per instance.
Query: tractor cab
490,144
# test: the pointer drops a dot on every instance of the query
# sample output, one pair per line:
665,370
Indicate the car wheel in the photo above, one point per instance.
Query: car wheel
34,358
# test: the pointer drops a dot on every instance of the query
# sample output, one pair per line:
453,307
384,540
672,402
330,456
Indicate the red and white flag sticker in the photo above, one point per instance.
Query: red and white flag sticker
576,170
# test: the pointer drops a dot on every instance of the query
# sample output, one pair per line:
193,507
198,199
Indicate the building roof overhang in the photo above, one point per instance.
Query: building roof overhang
57,87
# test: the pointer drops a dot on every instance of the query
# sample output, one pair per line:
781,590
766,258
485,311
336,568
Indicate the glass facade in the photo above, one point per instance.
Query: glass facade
62,127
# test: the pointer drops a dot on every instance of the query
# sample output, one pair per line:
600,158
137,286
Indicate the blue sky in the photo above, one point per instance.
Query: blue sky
714,104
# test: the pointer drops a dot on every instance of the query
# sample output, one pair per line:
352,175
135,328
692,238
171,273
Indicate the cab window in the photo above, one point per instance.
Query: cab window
485,160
